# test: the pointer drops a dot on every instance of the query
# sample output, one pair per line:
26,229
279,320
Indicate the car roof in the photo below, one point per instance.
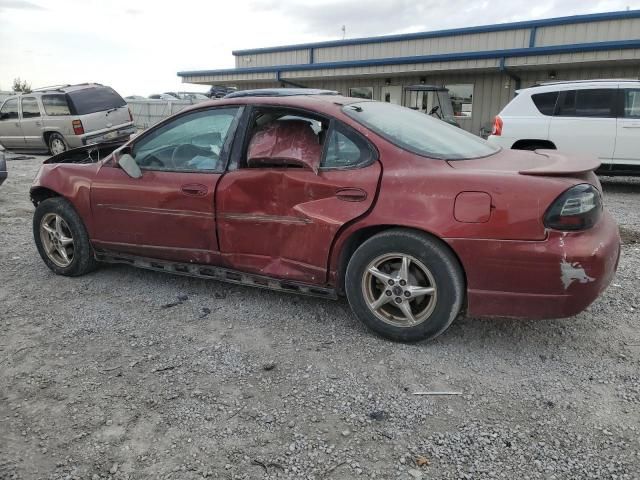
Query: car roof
279,92
569,84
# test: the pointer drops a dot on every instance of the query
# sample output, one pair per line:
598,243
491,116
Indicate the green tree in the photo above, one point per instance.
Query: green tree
21,86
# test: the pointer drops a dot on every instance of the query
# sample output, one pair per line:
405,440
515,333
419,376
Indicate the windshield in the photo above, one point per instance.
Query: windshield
418,133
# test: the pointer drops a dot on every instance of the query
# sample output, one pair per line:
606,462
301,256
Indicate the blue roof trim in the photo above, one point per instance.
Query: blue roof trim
441,57
547,22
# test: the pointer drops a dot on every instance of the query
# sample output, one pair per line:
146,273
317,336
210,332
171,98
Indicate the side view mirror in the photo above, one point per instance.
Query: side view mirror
129,165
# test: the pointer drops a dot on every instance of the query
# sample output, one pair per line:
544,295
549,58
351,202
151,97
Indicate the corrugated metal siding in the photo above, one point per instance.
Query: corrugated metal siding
573,58
589,32
294,57
427,46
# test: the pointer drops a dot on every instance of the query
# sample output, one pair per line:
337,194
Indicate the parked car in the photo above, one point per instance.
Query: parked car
163,96
3,167
191,96
135,97
414,220
594,117
220,91
59,118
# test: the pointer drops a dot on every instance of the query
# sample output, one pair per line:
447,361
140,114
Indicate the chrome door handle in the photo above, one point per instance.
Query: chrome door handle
38,124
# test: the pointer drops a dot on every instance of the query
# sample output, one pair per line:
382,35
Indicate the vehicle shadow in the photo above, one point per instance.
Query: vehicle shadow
620,184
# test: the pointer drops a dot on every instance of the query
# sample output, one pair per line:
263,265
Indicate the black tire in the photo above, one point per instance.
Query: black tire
425,251
82,257
53,139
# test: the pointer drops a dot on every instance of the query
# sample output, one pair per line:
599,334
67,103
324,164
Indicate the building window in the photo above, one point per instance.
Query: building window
461,99
361,92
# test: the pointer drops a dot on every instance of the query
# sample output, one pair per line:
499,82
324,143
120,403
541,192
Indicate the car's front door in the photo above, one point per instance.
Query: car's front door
585,122
10,131
628,137
169,212
281,221
31,123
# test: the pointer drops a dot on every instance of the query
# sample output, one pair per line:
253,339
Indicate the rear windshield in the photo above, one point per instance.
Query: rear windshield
417,132
94,99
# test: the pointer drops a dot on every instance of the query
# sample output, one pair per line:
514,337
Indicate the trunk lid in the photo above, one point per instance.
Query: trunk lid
537,163
99,108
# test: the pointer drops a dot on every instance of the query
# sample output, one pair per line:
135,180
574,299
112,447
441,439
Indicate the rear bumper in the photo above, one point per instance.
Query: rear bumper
554,278
122,132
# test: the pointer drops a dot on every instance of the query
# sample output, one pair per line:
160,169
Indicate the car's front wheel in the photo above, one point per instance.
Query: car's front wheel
62,239
404,285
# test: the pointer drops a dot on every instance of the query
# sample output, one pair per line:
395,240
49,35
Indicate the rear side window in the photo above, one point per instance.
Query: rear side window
595,103
94,99
55,105
9,110
345,149
632,103
545,102
30,108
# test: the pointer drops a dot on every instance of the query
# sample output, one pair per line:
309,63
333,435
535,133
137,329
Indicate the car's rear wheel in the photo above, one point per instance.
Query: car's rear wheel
404,285
57,144
62,239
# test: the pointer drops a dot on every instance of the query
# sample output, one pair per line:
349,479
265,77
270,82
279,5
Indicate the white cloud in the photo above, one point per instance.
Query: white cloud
138,46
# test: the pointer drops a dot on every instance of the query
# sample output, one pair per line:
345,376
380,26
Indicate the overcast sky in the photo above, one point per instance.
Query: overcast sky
137,46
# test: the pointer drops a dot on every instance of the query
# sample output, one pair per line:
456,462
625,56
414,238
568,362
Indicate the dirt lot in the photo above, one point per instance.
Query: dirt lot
133,374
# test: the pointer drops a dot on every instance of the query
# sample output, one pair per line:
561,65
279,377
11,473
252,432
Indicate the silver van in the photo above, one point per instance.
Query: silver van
59,118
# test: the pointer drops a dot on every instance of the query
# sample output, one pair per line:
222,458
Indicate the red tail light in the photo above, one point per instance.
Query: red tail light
78,129
578,208
130,115
497,126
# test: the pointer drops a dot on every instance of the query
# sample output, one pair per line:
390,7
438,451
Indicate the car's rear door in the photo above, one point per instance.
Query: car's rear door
628,129
585,122
10,130
281,222
31,122
169,212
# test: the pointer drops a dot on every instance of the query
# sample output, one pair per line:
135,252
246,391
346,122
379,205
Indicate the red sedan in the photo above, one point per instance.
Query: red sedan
414,220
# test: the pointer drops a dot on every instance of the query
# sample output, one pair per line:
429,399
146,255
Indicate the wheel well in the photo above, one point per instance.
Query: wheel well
46,136
40,194
358,237
532,144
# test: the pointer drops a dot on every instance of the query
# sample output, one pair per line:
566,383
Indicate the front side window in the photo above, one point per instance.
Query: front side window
30,108
9,110
594,103
55,105
345,149
461,99
632,103
545,102
192,142
418,133
361,92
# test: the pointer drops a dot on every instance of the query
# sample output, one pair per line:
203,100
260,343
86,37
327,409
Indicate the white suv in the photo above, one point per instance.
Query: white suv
596,117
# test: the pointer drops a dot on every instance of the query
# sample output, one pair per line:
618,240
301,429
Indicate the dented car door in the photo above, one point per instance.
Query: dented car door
168,212
279,217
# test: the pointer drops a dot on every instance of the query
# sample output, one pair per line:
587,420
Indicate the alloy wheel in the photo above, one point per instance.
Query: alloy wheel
399,289
57,239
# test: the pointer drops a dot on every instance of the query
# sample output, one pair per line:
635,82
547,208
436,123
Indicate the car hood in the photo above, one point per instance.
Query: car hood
539,162
88,154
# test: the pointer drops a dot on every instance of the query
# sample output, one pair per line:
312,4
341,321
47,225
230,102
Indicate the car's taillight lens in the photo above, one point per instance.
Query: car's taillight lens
578,208
130,115
78,129
497,126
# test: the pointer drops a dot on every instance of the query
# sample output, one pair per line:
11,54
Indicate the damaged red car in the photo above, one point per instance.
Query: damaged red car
413,220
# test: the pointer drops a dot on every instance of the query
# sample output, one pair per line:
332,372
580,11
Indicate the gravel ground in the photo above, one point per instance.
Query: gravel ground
101,378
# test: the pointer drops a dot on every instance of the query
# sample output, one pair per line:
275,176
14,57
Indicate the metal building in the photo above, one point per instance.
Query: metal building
481,66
